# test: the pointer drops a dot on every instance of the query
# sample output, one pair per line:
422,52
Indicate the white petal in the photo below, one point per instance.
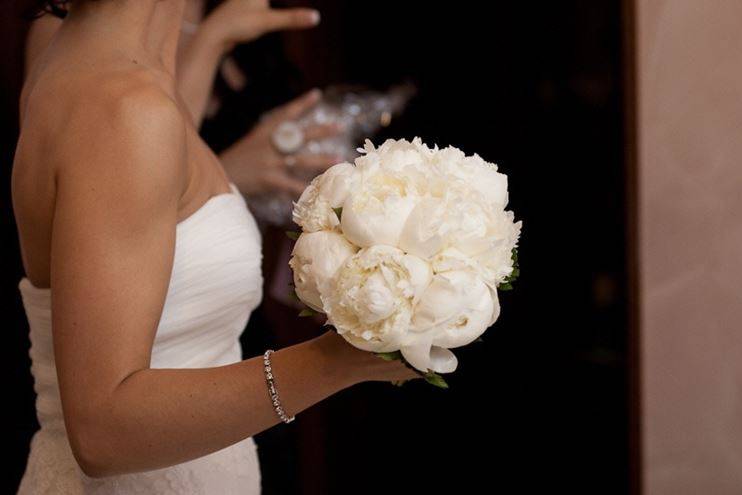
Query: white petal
424,357
420,235
442,360
474,315
420,274
315,260
336,183
495,307
418,354
380,224
440,302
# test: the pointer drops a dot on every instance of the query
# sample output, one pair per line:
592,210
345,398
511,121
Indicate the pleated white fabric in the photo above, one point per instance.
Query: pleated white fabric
215,284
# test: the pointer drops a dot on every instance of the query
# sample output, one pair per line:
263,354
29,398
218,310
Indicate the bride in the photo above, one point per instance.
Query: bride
142,266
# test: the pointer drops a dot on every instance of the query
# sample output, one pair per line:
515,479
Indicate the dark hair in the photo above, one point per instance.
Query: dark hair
57,8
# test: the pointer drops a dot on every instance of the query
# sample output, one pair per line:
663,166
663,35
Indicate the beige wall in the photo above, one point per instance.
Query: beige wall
690,175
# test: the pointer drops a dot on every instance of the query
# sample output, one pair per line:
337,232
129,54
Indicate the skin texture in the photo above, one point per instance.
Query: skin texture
108,161
252,162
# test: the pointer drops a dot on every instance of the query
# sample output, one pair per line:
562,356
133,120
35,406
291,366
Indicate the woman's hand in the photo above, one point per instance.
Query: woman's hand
242,21
254,164
361,366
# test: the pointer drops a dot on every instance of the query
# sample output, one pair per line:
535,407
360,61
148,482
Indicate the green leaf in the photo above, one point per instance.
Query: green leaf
390,356
307,312
507,284
292,234
338,212
435,379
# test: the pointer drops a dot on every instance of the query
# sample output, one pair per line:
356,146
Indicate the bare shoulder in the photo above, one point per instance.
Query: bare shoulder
106,147
129,107
121,124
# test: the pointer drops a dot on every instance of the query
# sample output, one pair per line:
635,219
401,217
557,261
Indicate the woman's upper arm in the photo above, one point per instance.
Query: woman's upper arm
119,173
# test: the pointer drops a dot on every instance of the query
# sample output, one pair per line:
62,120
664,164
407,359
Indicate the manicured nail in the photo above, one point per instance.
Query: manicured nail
314,17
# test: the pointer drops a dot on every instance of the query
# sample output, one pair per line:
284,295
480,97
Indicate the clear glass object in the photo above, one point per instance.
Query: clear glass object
361,113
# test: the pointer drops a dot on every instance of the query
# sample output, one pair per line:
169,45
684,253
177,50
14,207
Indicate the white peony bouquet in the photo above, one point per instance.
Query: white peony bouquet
405,251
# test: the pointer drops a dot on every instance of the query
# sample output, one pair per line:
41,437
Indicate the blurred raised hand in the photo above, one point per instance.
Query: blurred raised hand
231,23
241,21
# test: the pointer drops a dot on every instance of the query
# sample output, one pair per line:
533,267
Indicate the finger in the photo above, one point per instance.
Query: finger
233,75
282,19
414,375
408,372
316,161
293,109
255,4
322,131
284,182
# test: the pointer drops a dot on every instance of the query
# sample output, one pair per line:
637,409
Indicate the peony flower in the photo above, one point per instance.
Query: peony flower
463,220
395,155
315,259
489,256
435,243
495,263
373,298
378,206
456,308
315,209
481,176
442,167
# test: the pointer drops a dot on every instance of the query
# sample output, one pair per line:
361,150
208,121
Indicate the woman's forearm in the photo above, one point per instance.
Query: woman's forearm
197,70
161,417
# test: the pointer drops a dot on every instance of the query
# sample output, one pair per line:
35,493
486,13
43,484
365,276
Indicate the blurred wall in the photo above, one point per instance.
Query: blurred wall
690,175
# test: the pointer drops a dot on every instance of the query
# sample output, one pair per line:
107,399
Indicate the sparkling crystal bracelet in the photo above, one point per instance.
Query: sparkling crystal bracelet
272,388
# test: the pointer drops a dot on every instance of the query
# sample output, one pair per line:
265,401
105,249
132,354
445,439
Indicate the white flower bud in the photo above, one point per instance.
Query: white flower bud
372,300
316,258
315,209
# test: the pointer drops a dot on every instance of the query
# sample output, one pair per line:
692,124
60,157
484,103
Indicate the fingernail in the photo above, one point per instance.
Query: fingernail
314,17
315,93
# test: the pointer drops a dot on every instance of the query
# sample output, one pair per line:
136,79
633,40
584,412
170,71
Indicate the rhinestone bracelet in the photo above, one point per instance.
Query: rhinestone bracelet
272,388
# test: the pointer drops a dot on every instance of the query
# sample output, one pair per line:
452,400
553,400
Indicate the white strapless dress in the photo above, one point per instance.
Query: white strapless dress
215,284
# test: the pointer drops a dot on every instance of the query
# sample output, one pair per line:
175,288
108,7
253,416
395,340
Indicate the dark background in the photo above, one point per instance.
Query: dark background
543,403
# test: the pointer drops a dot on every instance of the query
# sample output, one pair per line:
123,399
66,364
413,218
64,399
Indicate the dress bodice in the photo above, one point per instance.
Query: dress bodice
215,284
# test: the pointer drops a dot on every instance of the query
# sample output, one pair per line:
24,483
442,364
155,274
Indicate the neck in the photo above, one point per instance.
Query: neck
145,30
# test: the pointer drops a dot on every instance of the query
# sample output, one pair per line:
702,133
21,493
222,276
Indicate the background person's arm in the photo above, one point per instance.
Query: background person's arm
118,170
231,23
